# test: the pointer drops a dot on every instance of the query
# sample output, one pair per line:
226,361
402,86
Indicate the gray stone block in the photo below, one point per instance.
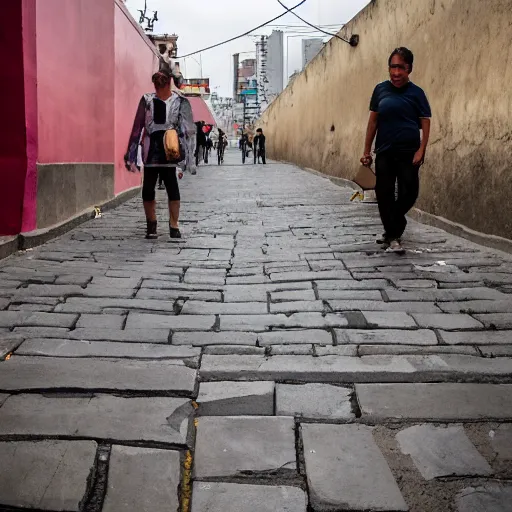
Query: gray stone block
377,350
297,305
379,305
477,338
90,305
41,332
194,307
75,348
496,320
244,446
501,441
9,343
490,497
373,283
124,335
385,336
173,322
205,338
24,373
415,284
280,277
99,416
431,402
478,306
291,350
448,322
314,401
442,451
338,350
226,497
459,294
295,337
346,470
100,321
291,295
389,320
341,294
223,350
142,479
30,319
46,475
236,398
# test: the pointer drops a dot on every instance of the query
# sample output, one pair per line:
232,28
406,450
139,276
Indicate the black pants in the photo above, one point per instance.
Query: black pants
395,167
168,175
260,153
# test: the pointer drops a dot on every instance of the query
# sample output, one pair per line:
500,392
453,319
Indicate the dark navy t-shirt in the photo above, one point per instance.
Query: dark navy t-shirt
400,110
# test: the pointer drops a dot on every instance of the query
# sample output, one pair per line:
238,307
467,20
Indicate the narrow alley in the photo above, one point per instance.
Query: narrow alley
273,359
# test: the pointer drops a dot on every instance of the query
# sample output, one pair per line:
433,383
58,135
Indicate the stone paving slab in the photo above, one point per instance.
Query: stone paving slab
46,475
173,322
138,419
77,348
314,401
496,320
389,320
142,479
8,343
227,497
45,373
236,398
431,402
386,336
124,335
295,337
380,305
501,441
476,338
196,307
446,321
346,470
205,338
415,368
490,497
442,451
27,318
244,446
90,305
384,349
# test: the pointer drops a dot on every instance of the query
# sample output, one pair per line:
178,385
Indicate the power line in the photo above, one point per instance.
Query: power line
352,42
245,33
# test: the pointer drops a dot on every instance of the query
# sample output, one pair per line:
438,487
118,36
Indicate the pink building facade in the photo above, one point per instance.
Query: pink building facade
74,71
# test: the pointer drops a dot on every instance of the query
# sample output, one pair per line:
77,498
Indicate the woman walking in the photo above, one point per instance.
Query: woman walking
166,119
398,110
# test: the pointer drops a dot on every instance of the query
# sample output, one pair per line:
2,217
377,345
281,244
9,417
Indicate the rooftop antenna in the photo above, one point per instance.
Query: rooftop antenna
145,19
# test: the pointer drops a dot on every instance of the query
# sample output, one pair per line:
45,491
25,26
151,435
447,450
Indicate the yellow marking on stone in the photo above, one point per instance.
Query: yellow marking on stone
186,485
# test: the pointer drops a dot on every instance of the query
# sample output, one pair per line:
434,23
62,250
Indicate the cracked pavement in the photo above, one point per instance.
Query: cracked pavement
274,359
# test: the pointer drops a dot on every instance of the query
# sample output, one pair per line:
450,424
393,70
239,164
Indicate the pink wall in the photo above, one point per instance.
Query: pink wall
135,62
13,142
75,72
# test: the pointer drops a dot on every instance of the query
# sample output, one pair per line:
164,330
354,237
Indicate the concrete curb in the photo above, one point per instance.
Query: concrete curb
38,237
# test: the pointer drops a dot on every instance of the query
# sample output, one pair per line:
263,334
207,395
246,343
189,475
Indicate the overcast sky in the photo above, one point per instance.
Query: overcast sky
201,23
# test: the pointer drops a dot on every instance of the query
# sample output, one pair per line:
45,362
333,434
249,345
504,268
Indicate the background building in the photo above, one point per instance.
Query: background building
275,65
310,49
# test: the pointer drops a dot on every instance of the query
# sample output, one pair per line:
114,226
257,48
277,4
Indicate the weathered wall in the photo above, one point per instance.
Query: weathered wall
135,62
463,60
74,71
75,88
18,143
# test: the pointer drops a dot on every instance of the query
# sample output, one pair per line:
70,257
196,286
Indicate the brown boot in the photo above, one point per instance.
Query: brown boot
151,229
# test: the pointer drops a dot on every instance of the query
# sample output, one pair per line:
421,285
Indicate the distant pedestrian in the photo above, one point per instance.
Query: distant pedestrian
259,146
169,138
398,110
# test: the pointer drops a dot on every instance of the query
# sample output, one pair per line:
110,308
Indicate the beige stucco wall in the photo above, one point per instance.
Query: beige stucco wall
463,61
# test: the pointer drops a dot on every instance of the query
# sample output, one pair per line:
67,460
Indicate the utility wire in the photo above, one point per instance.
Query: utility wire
245,33
315,27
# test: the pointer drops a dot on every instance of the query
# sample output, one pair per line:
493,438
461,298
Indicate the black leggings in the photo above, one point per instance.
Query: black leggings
168,175
395,167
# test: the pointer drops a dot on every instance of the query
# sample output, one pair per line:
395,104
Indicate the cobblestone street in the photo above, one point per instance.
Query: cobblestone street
273,360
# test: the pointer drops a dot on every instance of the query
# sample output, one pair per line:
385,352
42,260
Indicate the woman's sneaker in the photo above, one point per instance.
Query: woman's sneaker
394,246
